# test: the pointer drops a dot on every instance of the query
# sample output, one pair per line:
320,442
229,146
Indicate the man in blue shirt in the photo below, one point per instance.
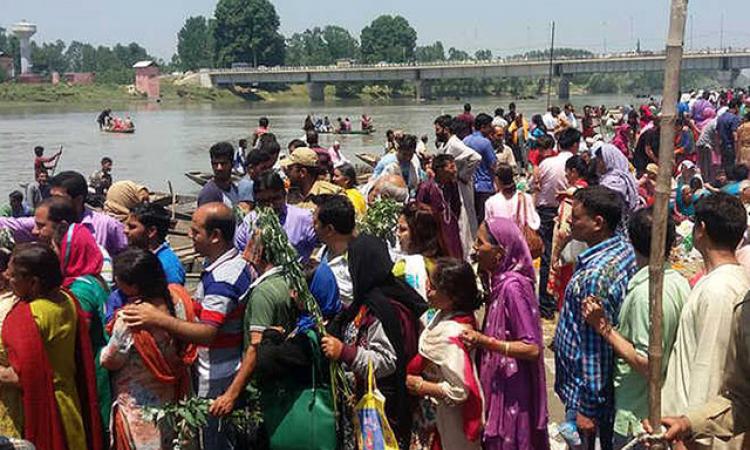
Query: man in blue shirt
221,188
146,227
479,141
584,361
727,125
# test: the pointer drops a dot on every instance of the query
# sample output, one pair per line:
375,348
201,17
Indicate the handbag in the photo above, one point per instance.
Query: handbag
371,424
532,238
298,418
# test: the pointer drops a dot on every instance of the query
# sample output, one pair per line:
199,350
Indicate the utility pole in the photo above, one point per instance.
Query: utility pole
721,33
551,59
604,37
692,24
672,66
631,30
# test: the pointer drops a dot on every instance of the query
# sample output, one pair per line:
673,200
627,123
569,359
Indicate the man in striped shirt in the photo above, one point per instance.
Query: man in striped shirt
220,301
584,361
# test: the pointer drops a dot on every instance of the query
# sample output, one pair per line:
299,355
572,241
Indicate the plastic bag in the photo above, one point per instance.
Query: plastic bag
372,428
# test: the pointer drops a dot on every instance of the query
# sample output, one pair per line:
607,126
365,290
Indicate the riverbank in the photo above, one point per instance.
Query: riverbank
47,93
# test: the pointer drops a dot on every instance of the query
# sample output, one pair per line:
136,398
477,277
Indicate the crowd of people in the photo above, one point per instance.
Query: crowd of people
504,223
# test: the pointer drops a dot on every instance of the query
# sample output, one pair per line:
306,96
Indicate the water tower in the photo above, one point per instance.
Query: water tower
24,30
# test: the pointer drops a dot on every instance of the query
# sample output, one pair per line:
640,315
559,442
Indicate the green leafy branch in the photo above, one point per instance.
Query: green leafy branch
381,219
282,254
190,415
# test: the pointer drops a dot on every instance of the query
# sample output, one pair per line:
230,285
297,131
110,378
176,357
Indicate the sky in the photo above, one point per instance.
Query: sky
502,26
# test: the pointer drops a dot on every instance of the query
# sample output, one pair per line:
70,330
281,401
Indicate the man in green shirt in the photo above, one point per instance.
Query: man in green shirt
269,305
631,337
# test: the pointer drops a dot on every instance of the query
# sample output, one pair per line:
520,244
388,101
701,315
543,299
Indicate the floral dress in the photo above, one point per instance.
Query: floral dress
136,388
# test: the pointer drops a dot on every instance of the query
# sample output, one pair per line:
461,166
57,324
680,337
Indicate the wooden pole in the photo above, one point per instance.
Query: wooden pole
672,67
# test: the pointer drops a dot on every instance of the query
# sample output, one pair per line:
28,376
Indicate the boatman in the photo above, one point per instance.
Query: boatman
104,118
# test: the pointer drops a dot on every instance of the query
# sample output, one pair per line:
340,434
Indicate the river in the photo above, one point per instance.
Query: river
171,139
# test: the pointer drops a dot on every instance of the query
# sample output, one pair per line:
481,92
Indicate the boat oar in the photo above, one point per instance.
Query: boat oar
174,199
57,161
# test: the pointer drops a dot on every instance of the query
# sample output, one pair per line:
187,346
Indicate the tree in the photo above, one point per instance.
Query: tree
195,44
389,39
320,47
247,31
49,57
430,53
483,55
307,49
341,44
455,54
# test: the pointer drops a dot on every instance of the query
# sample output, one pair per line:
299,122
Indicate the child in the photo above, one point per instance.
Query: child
443,374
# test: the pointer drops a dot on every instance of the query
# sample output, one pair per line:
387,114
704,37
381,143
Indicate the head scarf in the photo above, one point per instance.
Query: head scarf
511,290
324,289
122,196
517,257
709,113
385,297
79,254
618,176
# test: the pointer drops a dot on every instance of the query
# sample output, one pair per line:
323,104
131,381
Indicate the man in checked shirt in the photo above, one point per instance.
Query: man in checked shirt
584,361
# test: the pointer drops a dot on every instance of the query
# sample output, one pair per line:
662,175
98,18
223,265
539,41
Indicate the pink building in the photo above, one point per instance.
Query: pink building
7,66
79,78
147,78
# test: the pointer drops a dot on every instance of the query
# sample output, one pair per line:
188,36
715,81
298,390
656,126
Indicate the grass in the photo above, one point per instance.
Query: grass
46,93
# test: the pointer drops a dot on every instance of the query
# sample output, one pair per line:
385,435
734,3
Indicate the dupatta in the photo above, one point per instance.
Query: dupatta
27,355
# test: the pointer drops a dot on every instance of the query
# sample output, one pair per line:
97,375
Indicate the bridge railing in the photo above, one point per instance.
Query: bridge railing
469,63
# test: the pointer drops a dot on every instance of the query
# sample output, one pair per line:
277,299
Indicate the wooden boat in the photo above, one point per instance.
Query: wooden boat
201,178
353,132
371,159
130,130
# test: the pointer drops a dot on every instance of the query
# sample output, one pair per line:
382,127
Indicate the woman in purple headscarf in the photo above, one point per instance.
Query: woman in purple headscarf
511,368
614,172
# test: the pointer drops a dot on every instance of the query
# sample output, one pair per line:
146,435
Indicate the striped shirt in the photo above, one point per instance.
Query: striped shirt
220,301
584,362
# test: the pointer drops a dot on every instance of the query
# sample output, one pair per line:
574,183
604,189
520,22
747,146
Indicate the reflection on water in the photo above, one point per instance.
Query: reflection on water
171,140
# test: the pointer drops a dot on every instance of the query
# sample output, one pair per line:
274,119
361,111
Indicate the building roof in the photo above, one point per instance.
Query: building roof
142,64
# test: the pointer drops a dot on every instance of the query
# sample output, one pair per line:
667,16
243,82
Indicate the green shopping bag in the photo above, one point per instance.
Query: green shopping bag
301,418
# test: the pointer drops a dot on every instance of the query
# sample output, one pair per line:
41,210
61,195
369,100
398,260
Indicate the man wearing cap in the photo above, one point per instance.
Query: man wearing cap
304,173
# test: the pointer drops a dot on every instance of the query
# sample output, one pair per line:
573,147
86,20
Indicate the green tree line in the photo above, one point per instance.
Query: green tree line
247,32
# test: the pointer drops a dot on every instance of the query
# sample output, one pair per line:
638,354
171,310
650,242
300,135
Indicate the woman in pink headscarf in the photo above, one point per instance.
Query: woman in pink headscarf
511,367
81,261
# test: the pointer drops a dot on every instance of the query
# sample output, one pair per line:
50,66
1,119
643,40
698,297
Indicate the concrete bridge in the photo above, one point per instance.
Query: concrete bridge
728,64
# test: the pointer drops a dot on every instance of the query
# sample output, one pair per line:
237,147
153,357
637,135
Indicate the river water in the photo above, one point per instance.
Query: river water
171,140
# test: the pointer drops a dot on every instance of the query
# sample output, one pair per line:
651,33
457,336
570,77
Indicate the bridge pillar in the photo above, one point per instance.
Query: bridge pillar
316,91
423,90
727,78
563,89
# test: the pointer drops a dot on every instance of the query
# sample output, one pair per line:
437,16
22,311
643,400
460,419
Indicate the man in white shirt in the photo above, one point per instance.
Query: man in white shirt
334,225
550,180
551,118
696,367
499,119
570,115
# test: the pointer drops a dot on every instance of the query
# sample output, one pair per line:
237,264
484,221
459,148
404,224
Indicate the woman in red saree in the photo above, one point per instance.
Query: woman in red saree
46,336
149,367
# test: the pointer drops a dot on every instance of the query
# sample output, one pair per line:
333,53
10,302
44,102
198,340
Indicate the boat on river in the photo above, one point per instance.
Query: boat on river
130,130
352,132
201,178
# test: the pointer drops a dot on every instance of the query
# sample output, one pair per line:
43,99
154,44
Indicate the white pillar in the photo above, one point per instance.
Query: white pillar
24,30
25,55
